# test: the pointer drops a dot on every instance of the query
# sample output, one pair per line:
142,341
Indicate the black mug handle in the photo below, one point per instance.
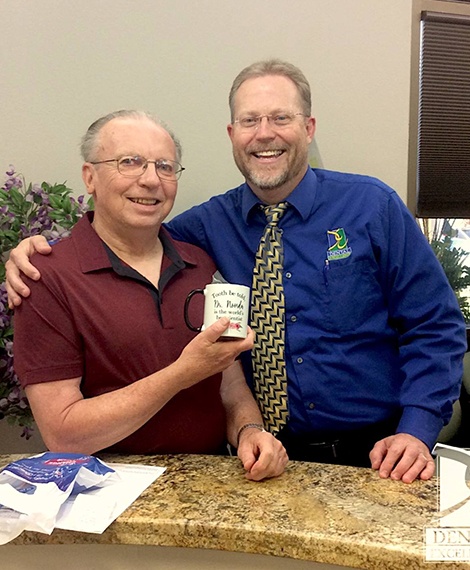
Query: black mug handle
186,309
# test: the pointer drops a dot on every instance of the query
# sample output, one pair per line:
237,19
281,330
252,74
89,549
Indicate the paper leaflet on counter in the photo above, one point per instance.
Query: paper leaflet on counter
66,490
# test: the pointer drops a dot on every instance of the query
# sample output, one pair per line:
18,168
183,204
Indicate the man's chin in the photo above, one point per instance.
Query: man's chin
263,180
272,184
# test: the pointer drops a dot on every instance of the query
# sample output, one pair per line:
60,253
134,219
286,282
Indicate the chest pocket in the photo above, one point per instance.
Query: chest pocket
353,296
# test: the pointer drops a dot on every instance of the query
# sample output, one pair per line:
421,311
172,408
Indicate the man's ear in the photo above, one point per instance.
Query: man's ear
88,177
311,126
230,130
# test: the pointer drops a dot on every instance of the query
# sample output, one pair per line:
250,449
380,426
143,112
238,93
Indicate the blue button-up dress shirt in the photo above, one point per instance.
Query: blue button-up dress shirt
372,325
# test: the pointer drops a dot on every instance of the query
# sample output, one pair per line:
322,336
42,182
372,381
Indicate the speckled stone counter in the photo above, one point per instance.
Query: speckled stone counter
323,513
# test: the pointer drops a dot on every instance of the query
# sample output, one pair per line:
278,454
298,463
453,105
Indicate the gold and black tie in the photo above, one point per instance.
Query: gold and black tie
268,323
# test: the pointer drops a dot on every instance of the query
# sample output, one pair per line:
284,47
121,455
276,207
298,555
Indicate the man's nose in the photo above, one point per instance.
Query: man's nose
150,176
265,128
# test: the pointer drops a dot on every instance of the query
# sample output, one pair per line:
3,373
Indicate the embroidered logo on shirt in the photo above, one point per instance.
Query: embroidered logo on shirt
337,244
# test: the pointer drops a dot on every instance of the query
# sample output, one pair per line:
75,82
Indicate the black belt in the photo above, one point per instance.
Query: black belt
343,447
329,447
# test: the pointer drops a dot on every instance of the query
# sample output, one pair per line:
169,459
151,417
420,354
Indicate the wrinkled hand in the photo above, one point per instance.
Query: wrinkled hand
19,261
402,457
261,454
206,354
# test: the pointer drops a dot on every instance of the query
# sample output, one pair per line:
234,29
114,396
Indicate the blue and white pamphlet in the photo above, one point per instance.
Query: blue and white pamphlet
68,491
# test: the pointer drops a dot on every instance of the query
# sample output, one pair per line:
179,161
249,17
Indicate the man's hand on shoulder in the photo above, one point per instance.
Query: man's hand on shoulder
19,262
402,457
262,455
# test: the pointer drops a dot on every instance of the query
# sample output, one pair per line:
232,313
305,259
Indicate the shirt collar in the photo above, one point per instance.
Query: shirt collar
302,198
93,256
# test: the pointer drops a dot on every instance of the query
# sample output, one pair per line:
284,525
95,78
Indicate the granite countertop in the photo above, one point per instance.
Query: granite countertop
323,513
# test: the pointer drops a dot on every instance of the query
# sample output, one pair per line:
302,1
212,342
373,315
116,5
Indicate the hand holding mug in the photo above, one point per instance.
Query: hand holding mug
223,300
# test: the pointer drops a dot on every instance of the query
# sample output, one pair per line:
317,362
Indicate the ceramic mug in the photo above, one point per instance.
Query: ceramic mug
223,300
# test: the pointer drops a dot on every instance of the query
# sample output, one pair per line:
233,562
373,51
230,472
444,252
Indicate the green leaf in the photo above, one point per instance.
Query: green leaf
55,201
17,198
66,204
56,215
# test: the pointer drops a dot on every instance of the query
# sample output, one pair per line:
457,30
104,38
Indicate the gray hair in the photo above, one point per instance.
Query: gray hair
90,141
274,67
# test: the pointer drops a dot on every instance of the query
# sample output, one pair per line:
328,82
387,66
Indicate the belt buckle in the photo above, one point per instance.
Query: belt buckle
331,445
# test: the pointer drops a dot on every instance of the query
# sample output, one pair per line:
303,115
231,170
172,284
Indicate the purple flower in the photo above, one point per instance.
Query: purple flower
13,182
27,432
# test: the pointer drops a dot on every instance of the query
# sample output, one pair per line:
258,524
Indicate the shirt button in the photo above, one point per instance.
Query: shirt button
288,275
293,318
311,405
300,360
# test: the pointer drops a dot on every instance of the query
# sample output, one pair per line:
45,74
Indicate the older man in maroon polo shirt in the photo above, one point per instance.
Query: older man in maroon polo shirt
101,346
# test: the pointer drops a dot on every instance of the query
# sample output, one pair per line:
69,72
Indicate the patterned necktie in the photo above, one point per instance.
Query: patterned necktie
267,322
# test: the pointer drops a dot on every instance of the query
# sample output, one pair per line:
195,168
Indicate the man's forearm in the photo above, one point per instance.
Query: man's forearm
240,406
70,423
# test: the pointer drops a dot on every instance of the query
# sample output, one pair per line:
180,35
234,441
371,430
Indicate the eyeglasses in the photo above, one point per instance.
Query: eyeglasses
278,120
134,166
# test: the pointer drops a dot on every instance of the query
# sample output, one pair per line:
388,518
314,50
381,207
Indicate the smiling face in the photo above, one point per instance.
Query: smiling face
272,159
124,204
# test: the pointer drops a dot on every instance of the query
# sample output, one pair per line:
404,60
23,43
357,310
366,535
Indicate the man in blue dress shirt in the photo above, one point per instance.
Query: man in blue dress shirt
374,335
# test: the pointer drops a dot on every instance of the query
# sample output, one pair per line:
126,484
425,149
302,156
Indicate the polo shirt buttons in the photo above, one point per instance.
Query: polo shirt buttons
288,274
311,406
300,360
293,318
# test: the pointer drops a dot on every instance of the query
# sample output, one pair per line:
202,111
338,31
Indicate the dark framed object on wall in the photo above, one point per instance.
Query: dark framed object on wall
442,154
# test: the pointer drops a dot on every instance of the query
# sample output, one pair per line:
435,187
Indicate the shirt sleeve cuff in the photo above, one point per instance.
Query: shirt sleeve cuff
421,424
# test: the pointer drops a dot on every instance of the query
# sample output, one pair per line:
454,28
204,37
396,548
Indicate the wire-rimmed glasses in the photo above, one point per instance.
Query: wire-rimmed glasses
134,166
279,120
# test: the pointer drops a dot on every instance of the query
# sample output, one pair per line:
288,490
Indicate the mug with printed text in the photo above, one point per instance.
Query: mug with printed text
223,300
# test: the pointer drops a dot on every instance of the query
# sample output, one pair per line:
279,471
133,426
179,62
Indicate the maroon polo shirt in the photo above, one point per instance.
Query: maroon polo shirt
93,317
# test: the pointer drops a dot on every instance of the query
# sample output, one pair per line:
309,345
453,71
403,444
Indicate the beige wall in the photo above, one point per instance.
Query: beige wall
65,63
